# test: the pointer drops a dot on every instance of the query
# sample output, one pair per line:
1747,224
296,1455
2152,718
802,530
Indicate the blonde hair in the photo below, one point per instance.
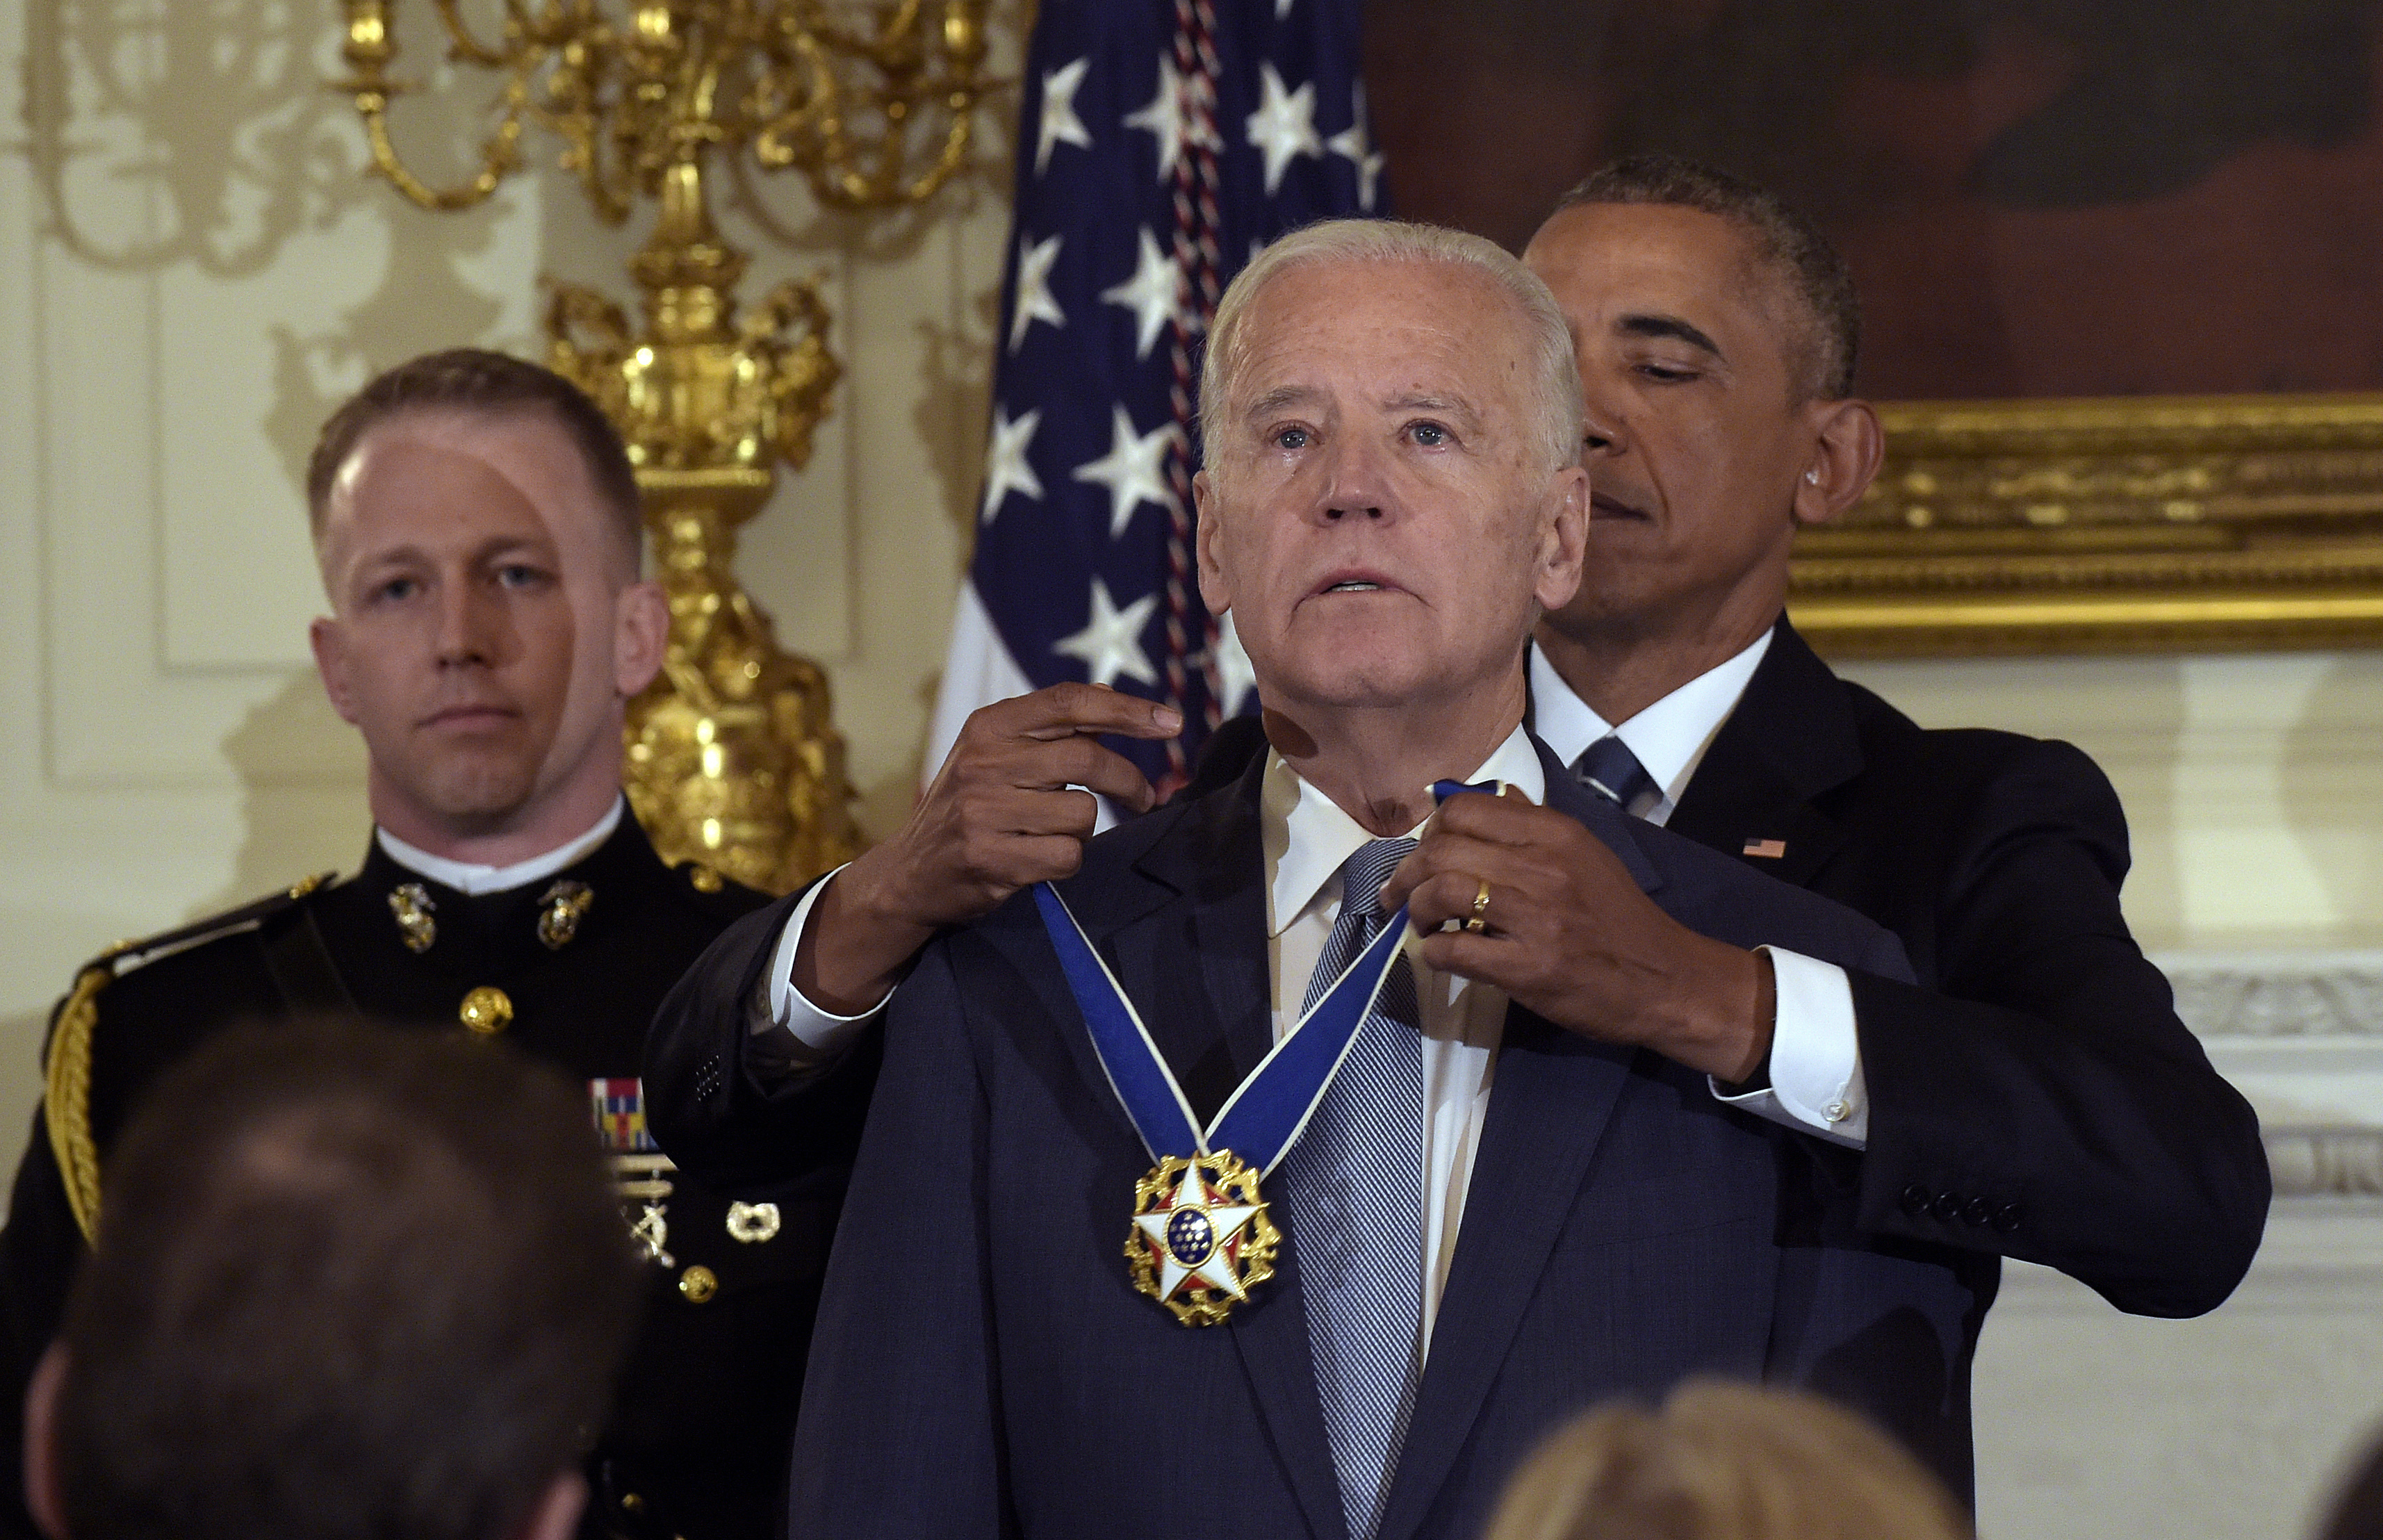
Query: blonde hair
1726,1461
1555,373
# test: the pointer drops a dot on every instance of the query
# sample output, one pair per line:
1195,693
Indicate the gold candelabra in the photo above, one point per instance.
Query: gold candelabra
732,757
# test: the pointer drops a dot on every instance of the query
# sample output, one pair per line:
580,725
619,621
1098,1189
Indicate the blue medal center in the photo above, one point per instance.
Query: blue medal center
1191,1239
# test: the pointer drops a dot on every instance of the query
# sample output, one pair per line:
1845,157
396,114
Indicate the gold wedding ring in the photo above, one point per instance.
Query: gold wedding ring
1480,920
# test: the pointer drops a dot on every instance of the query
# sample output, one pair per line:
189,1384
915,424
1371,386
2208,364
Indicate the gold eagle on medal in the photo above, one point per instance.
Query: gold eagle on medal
1201,1239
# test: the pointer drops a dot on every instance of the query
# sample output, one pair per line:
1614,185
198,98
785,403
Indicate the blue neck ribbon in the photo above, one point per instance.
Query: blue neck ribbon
1265,1115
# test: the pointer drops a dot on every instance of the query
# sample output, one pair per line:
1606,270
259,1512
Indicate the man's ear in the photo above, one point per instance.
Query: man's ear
1215,592
556,1513
330,647
42,1497
640,634
1564,545
1849,446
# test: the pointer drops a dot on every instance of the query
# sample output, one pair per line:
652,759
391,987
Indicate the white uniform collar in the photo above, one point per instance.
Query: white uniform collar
1308,838
1668,737
468,877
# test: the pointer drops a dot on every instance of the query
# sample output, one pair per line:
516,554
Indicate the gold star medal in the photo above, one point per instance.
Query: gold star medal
1200,1239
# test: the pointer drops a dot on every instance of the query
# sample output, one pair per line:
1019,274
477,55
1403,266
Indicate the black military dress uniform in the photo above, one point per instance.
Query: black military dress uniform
569,967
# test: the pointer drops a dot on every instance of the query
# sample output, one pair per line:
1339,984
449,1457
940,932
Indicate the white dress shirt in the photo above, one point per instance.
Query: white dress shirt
473,877
1816,1073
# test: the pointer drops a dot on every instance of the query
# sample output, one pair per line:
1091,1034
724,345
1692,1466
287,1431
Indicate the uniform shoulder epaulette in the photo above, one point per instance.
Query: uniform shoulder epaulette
65,1075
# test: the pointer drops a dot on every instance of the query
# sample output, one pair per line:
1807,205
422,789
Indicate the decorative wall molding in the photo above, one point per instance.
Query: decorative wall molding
2301,1034
2326,1163
2284,995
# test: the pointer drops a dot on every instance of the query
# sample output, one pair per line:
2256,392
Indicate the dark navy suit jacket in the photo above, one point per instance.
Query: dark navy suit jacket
983,1366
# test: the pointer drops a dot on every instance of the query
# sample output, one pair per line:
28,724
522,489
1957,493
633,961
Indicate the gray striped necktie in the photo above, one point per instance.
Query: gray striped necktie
1356,1200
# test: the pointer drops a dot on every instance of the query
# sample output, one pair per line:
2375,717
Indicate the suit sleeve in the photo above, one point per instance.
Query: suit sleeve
734,1124
2046,1103
900,1431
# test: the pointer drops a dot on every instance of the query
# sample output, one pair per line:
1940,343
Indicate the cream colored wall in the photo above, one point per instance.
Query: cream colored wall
192,273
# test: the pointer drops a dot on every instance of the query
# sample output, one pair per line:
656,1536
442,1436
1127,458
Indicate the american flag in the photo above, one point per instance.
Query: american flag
1160,144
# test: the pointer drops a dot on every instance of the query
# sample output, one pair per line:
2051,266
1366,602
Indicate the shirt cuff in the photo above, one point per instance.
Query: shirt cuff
1816,1071
783,1022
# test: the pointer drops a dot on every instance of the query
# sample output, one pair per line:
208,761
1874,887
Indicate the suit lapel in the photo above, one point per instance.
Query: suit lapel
1791,737
1195,965
1548,1108
1550,1100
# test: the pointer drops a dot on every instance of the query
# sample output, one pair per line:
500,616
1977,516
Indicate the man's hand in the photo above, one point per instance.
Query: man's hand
1571,936
999,816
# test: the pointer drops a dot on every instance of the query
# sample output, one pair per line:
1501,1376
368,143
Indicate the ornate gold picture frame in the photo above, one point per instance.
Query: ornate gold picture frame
2130,524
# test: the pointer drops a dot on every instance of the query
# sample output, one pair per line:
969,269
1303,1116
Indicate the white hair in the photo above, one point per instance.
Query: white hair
1555,375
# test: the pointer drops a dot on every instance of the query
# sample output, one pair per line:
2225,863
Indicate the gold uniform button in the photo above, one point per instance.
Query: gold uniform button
699,1283
487,1011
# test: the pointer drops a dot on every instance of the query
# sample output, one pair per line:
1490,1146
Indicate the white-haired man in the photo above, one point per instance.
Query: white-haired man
1430,1219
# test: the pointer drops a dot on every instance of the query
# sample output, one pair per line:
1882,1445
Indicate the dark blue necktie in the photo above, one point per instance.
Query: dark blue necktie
1355,1198
1607,768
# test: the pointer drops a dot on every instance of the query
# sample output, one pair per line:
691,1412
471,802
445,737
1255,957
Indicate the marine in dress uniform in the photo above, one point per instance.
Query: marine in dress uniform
568,965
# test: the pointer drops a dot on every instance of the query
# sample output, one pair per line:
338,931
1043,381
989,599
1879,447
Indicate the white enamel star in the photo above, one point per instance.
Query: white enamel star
1034,301
1152,293
1060,125
1006,466
1353,145
1110,643
1284,124
1220,1224
1132,470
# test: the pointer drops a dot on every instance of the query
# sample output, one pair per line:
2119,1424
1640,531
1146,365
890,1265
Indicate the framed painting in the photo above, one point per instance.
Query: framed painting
2121,266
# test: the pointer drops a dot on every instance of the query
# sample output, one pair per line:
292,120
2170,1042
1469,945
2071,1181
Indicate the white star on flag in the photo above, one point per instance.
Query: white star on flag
1357,147
1167,114
1164,117
1034,301
1284,124
1222,1224
1110,643
1060,124
1235,678
1154,293
1131,470
1005,470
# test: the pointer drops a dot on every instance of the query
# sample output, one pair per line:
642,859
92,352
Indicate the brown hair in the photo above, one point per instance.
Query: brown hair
478,382
354,1282
1791,246
1723,1462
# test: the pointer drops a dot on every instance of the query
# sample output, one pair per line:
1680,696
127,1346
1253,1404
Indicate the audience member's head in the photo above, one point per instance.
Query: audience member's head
1723,1462
352,1282
2358,1512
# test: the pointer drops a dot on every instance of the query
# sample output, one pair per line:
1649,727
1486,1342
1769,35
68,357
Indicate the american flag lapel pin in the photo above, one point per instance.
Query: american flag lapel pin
1769,849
